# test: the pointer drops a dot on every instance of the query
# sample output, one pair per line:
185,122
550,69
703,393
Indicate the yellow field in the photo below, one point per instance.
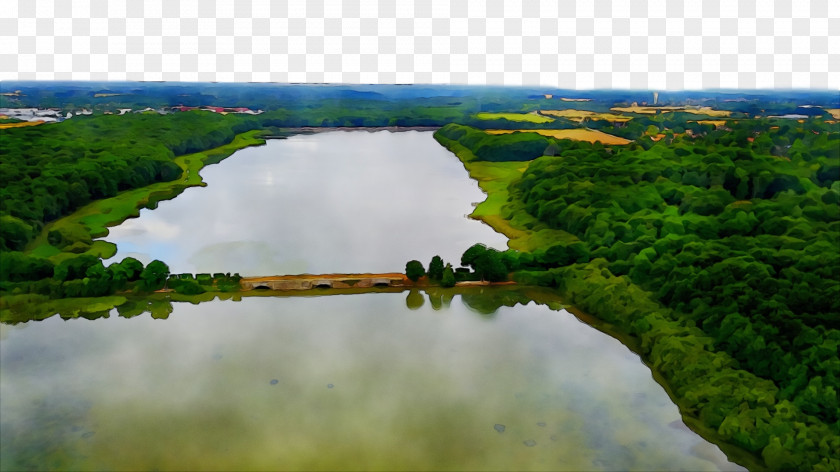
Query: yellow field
575,134
20,125
580,115
530,117
647,110
835,112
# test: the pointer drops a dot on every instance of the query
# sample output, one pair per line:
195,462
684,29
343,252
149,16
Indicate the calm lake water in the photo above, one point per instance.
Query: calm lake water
340,382
385,381
321,203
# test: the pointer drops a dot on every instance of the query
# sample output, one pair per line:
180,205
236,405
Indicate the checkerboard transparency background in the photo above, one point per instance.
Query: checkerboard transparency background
655,44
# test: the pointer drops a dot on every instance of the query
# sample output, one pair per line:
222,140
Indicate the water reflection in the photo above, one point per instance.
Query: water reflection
246,385
414,300
325,203
485,301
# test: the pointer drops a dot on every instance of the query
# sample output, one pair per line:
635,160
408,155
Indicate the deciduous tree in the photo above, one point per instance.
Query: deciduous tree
154,275
436,268
414,270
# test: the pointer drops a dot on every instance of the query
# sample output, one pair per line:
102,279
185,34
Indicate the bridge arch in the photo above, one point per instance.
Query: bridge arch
332,281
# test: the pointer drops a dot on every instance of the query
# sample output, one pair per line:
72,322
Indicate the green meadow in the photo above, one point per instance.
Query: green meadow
526,117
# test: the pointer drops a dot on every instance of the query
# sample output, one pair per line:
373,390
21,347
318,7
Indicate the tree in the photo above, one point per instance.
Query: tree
486,262
189,287
414,270
97,281
472,254
154,275
490,266
17,266
97,271
14,233
448,278
129,269
436,268
74,268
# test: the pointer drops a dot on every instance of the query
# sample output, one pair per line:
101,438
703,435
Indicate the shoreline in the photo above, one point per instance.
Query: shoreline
522,238
95,218
370,129
159,303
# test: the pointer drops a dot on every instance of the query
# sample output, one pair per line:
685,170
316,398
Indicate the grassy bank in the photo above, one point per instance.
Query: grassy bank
498,210
93,220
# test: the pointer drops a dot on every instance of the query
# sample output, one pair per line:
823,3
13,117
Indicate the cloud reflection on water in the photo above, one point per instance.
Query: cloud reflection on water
341,201
408,386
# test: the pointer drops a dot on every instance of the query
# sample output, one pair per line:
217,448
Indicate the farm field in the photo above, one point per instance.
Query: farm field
526,117
652,110
20,124
587,135
580,115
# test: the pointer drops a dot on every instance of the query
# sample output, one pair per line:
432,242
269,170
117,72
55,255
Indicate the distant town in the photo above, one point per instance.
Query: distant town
57,114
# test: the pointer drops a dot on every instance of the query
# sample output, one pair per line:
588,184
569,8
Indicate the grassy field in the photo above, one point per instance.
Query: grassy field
524,232
92,220
494,178
649,110
528,117
834,112
575,134
580,115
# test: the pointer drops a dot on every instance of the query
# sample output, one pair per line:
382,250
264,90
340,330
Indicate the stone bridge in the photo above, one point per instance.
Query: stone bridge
309,282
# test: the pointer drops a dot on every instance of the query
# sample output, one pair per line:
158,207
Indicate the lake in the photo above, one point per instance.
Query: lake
334,202
338,382
377,381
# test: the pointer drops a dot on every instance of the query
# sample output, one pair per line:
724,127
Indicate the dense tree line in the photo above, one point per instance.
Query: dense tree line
200,283
81,276
49,171
87,276
514,146
445,275
667,123
733,236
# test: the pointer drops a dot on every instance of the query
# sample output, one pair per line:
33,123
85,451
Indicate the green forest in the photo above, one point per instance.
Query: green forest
50,171
717,248
714,247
